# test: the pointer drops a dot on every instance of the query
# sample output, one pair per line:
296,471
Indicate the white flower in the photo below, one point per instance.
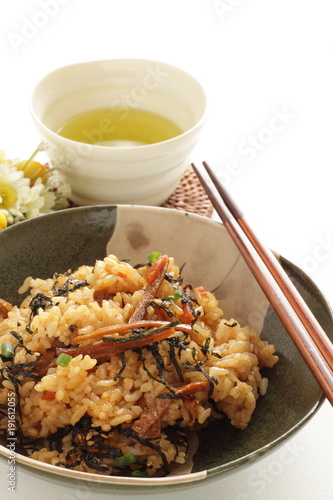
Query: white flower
19,200
12,186
29,189
32,202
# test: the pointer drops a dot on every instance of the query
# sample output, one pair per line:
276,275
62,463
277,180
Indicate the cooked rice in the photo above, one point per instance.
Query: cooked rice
92,404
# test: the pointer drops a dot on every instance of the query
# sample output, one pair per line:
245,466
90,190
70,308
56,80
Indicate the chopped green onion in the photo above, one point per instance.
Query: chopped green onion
152,257
63,359
126,460
177,294
7,349
138,473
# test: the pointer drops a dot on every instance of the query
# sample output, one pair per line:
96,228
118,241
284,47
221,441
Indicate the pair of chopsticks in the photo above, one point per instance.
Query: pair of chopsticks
305,331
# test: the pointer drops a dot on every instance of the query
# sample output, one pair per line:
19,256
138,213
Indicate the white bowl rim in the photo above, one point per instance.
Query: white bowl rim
99,148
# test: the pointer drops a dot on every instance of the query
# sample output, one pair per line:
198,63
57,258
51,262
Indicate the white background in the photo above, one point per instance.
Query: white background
257,59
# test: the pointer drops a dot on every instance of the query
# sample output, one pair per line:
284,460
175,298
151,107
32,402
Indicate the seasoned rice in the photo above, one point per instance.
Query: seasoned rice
141,400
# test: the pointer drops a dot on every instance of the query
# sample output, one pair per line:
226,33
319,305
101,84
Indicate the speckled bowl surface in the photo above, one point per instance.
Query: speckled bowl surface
202,247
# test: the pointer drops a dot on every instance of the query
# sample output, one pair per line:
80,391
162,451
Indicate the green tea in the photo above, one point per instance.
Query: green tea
119,127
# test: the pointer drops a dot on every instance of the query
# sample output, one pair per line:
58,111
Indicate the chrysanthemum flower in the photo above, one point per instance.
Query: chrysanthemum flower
12,186
29,189
32,170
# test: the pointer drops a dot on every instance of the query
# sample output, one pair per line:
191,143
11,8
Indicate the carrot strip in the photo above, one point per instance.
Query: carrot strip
202,291
156,268
105,348
113,329
189,390
187,316
48,396
161,315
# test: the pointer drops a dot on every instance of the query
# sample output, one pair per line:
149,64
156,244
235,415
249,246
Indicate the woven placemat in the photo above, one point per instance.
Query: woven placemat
190,196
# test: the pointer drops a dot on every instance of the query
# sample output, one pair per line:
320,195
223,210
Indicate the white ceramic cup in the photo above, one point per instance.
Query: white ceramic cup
98,174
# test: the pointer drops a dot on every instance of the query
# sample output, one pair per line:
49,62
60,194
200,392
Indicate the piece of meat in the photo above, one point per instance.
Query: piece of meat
103,294
48,358
187,393
148,425
45,361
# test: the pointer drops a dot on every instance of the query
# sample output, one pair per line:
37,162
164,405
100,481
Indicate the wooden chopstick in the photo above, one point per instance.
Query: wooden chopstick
308,336
290,291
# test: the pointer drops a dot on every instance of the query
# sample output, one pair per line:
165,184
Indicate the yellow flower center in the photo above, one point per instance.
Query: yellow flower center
8,196
3,221
32,170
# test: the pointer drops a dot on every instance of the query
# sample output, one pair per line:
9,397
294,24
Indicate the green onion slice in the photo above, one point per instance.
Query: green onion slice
138,473
177,294
63,359
126,460
152,257
7,349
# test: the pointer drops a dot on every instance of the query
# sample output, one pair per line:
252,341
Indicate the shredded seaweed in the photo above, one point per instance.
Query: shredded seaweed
173,359
20,342
178,436
174,281
15,374
89,447
93,462
161,305
231,325
80,284
138,266
25,370
205,347
216,354
54,287
67,287
90,454
55,439
188,296
168,395
216,409
154,348
128,431
179,343
198,366
39,301
28,329
150,375
122,358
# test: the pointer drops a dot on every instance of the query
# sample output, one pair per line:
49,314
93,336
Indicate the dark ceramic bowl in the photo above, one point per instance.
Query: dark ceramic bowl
202,247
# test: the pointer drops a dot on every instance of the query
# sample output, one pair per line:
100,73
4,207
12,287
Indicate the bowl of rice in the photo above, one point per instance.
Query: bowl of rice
137,349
